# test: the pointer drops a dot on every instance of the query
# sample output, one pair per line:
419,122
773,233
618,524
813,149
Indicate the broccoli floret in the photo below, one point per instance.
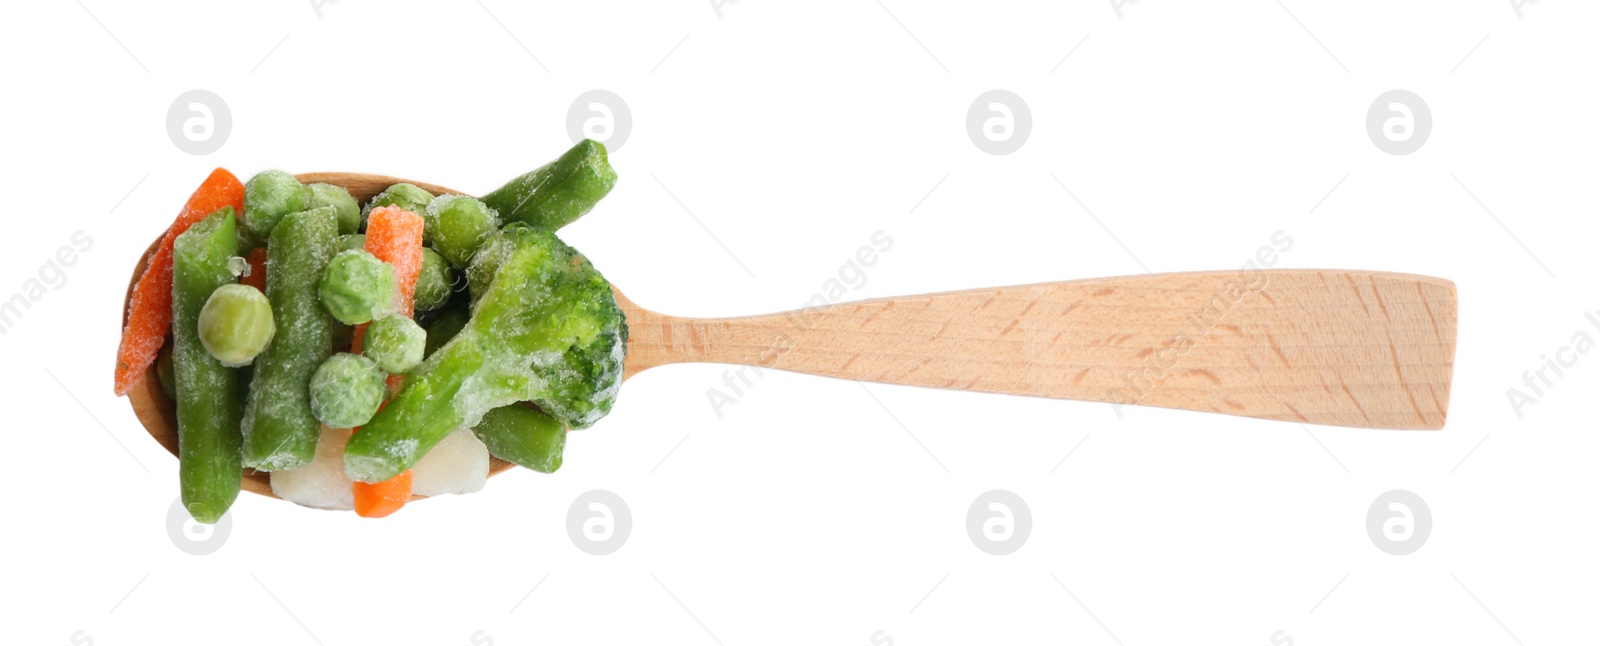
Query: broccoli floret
546,329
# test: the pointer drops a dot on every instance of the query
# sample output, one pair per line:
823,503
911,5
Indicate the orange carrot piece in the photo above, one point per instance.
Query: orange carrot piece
150,308
257,277
394,235
379,499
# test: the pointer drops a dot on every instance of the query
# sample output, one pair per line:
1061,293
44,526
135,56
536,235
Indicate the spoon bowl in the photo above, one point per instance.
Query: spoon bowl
159,413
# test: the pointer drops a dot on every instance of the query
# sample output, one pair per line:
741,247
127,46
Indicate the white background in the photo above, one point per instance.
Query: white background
808,513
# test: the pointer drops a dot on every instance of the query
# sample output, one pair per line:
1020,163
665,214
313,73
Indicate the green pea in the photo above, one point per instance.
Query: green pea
236,324
344,206
357,286
346,390
406,196
208,403
434,283
353,241
395,342
457,225
269,196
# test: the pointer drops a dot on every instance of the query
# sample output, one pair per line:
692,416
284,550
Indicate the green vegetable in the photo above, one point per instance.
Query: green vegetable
486,264
444,328
395,342
356,286
269,196
344,206
346,390
581,385
406,196
457,225
209,471
280,431
523,436
164,371
546,300
248,240
355,241
559,192
434,282
236,324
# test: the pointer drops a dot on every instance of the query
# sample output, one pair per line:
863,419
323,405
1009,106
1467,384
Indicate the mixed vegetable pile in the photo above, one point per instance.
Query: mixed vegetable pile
365,353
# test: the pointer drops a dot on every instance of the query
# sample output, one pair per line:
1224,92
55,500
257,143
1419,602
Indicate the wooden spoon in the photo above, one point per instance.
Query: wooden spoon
1337,347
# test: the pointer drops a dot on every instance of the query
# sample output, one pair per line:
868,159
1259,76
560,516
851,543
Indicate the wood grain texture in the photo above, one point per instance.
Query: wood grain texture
1346,348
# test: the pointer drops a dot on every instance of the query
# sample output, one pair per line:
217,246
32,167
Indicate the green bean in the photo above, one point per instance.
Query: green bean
280,431
523,436
553,195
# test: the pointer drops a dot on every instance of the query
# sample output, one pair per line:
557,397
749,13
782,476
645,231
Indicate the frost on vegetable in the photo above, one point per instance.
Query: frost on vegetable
337,198
350,241
356,287
395,343
457,464
409,197
269,196
435,282
457,225
553,195
280,431
545,301
346,390
208,393
322,483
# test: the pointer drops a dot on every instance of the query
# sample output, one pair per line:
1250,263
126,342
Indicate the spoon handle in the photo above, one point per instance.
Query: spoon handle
1347,348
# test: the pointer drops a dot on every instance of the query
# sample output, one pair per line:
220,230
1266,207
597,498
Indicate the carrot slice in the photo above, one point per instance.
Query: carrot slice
150,308
257,277
379,499
394,235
